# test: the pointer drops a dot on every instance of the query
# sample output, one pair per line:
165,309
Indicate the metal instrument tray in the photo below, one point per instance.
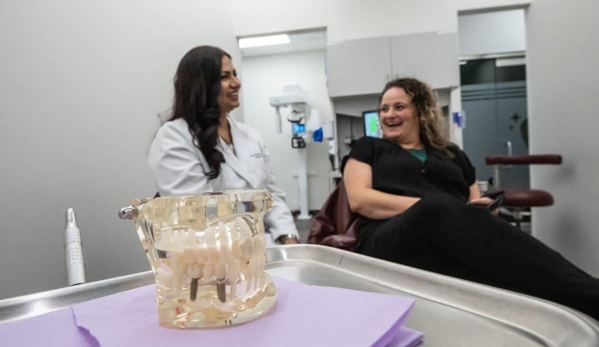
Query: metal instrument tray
449,311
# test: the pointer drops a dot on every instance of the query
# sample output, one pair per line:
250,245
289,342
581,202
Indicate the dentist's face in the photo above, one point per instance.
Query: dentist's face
228,98
398,117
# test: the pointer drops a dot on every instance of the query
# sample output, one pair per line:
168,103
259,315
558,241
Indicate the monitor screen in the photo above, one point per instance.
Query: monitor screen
372,127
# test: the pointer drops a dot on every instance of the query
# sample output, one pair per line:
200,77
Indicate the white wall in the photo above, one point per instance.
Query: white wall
492,33
80,86
355,19
563,77
263,77
344,19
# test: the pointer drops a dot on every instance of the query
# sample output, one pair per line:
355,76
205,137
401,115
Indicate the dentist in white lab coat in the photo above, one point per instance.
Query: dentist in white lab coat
202,149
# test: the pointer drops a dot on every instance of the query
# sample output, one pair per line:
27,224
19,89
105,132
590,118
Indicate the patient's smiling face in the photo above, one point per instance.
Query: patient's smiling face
398,118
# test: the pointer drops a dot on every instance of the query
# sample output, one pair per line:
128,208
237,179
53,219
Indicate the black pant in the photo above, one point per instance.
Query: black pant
446,236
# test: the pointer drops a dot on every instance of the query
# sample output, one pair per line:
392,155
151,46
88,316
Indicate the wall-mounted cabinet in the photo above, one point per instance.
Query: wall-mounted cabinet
358,67
361,67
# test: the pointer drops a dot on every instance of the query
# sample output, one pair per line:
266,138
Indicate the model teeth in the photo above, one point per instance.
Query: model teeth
210,237
220,271
228,254
195,271
259,244
189,256
212,255
250,274
247,248
208,271
235,249
189,239
201,255
225,255
164,276
234,271
176,257
244,228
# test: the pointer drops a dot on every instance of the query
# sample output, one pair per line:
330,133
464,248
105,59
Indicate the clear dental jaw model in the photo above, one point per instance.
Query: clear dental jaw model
230,255
207,253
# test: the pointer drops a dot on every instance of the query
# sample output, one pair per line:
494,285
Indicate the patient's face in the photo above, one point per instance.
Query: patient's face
398,117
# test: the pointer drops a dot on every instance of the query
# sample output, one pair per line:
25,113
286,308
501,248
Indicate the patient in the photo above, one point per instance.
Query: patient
421,207
202,149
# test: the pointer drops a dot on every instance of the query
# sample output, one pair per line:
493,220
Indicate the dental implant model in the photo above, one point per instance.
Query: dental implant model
208,256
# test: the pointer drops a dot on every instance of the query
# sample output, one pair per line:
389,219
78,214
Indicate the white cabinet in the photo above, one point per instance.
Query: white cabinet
430,57
361,67
358,67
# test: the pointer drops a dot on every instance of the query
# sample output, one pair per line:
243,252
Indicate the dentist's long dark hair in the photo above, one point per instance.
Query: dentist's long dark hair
197,85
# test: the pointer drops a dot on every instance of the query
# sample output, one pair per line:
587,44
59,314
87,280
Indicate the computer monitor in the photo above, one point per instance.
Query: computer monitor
372,127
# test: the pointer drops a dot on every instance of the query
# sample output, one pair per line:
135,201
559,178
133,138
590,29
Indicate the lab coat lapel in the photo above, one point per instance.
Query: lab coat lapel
239,160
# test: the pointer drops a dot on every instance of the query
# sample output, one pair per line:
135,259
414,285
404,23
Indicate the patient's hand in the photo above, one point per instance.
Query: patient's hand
485,201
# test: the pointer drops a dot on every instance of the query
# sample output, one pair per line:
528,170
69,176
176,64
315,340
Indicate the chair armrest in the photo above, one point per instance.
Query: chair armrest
523,159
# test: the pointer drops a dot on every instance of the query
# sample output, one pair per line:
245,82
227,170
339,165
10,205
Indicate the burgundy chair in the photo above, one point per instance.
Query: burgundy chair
517,201
335,225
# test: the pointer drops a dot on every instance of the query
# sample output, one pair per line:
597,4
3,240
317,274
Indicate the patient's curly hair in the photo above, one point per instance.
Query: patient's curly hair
427,112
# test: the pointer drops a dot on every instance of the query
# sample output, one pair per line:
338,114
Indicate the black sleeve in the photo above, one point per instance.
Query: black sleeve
363,150
464,162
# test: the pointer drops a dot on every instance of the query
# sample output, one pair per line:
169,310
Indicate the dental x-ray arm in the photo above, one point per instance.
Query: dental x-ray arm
292,94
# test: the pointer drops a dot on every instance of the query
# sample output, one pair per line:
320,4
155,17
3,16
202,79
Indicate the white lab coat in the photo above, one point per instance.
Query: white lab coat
179,167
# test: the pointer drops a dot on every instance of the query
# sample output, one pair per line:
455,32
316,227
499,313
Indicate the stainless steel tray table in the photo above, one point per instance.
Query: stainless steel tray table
449,311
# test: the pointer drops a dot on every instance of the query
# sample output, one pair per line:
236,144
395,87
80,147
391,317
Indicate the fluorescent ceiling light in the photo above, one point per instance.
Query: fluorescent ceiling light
263,41
463,62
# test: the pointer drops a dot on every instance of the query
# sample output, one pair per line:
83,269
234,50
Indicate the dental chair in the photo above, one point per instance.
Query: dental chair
335,225
517,203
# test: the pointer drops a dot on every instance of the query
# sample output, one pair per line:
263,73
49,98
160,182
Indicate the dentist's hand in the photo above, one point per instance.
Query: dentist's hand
290,241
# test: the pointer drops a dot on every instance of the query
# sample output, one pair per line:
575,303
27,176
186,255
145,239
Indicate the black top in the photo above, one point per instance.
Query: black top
396,171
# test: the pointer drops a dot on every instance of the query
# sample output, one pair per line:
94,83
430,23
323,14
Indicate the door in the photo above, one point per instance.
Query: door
494,99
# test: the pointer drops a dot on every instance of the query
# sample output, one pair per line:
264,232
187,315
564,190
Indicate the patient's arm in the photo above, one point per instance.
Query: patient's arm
474,192
365,200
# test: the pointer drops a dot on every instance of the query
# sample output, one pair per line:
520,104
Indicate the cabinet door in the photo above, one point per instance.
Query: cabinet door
430,57
359,66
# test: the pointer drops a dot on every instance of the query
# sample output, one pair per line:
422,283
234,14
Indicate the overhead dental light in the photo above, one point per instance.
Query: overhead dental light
263,41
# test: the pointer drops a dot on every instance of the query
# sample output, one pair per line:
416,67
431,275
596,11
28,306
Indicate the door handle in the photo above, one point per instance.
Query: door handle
509,152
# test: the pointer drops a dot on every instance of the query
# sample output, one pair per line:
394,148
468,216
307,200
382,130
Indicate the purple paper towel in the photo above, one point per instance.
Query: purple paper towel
303,316
56,328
